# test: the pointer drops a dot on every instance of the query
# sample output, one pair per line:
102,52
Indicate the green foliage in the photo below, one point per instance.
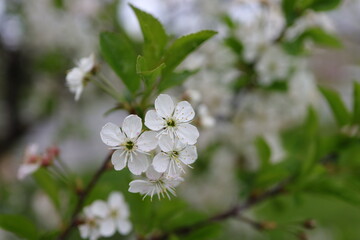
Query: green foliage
356,103
182,47
19,225
155,37
48,185
120,55
263,150
321,5
290,10
338,108
176,79
148,76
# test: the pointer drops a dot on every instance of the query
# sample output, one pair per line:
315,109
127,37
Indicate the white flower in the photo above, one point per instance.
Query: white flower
206,120
32,162
174,155
156,183
77,77
131,145
113,215
274,64
172,120
91,227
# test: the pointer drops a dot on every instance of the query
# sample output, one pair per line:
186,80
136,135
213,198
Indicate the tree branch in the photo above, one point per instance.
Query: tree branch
82,197
232,212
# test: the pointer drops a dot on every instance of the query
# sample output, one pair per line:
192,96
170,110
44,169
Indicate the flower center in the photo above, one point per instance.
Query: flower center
171,122
174,154
129,145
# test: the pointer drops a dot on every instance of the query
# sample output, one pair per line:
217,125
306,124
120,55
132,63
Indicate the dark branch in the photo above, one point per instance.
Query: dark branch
82,197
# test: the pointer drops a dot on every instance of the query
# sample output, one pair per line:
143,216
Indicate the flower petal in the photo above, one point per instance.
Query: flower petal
184,112
107,227
124,226
188,155
118,159
87,64
99,208
84,230
139,163
187,133
74,77
166,143
164,106
154,121
111,135
147,141
140,186
152,174
27,169
115,200
132,126
161,162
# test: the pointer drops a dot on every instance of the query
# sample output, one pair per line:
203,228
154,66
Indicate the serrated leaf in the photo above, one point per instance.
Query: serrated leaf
338,108
155,37
182,47
356,103
149,76
175,79
19,225
120,55
48,185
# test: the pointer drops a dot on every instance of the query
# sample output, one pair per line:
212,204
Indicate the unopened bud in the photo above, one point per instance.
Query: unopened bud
46,160
53,151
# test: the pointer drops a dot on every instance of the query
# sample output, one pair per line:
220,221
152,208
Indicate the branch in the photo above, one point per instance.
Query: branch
82,197
232,212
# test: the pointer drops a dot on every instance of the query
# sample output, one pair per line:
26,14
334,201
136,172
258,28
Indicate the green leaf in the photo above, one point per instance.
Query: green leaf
149,76
19,225
48,185
120,55
321,37
324,5
155,37
290,11
338,108
263,151
182,47
210,231
356,103
175,79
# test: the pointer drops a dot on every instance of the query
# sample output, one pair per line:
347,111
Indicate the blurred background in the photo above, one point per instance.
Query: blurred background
40,40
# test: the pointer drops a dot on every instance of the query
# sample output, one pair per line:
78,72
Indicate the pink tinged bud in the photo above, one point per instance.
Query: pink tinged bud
46,160
53,151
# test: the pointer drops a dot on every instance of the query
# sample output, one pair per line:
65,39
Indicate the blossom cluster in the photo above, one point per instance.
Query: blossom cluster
169,142
103,219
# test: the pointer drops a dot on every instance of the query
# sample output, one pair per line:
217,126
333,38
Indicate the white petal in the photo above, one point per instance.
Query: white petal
188,155
107,227
118,159
139,164
173,182
99,208
161,162
187,133
140,186
78,92
184,112
115,200
154,121
74,77
132,126
87,64
147,141
164,106
152,174
27,169
111,135
124,226
84,230
166,144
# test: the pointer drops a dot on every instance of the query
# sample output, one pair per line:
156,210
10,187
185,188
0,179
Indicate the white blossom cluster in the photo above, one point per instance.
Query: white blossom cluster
104,219
169,143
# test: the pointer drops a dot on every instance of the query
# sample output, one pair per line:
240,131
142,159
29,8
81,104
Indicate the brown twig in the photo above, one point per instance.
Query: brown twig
82,197
232,212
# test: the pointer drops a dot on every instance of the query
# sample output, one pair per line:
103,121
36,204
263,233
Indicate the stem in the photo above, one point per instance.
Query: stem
82,197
